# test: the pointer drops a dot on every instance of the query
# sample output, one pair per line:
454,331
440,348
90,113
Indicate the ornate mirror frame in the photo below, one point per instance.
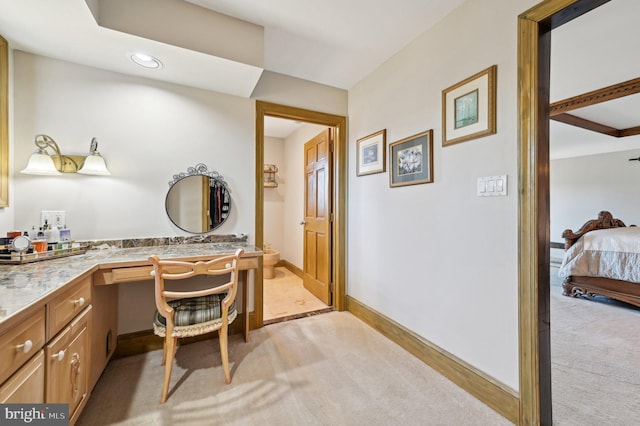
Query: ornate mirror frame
200,169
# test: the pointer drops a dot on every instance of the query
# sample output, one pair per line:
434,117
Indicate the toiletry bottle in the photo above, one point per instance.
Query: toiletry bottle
47,232
65,234
55,234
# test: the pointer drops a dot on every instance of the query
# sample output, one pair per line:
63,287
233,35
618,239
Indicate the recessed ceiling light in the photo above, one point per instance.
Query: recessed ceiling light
146,61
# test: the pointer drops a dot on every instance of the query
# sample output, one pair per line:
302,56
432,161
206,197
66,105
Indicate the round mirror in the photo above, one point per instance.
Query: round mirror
198,201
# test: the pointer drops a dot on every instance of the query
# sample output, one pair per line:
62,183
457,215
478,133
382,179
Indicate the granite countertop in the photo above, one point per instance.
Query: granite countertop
23,285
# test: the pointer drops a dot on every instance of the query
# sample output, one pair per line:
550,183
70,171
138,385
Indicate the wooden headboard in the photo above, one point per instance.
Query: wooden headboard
605,220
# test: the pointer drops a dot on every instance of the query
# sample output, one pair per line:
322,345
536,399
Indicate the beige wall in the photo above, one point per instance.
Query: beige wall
436,258
274,200
583,186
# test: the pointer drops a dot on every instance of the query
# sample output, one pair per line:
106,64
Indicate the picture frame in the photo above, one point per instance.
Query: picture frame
371,152
469,108
411,160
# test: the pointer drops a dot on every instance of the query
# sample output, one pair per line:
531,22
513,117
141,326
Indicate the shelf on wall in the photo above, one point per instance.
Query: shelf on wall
269,177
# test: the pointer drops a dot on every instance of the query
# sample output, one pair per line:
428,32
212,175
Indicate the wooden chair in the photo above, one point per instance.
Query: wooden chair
192,313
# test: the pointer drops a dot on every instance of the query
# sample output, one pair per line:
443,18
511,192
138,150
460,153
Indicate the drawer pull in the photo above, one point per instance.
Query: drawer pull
75,372
59,356
25,347
79,302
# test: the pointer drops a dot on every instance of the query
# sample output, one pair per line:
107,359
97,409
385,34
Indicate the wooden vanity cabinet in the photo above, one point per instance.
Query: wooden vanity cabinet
45,352
68,361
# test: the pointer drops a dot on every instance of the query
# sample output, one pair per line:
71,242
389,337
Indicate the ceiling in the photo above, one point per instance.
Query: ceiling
332,42
592,52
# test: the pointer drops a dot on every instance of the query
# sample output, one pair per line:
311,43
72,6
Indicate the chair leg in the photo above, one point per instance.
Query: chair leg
169,352
224,354
164,351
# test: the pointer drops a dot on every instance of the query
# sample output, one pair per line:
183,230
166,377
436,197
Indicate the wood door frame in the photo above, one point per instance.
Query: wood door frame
534,60
339,198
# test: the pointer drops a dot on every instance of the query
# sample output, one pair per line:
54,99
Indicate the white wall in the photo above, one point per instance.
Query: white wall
147,132
274,197
435,257
583,186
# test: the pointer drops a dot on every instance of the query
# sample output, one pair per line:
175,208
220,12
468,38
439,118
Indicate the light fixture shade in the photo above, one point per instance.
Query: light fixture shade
94,165
40,163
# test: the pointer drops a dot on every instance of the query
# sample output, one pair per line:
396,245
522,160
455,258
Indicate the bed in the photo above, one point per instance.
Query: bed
602,258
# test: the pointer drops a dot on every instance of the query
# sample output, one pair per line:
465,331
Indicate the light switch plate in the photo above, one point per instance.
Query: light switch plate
54,217
492,186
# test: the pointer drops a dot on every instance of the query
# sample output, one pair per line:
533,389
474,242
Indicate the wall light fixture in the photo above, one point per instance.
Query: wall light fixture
43,163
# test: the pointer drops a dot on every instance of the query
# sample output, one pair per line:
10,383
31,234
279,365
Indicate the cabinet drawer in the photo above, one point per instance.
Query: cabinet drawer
66,306
27,384
139,273
67,360
20,343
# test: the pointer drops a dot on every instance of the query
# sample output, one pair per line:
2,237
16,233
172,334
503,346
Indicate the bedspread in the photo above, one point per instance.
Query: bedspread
610,253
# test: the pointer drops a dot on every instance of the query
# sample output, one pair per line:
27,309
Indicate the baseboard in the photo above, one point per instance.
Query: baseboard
290,266
496,395
145,341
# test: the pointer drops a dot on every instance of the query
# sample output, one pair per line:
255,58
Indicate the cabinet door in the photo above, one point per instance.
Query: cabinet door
27,384
68,364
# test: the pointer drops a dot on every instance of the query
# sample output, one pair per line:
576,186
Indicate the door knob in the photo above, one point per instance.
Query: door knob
303,223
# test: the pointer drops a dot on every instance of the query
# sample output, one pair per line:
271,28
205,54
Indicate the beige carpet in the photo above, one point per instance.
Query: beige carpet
328,369
595,355
285,297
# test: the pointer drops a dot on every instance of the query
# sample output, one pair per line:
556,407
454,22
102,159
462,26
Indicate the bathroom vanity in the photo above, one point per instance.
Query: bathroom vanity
58,318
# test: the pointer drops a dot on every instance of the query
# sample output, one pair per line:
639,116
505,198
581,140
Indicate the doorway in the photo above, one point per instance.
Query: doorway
297,204
534,57
337,197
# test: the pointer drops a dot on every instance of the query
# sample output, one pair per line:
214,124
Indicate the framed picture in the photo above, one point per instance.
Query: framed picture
411,160
469,108
371,153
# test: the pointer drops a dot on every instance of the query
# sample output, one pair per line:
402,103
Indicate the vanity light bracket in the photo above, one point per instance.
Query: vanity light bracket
66,163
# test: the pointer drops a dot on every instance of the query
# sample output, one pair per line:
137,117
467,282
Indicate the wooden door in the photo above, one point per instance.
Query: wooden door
317,216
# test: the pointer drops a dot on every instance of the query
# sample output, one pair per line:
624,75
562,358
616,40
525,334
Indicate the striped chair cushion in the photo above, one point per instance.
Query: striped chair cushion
195,316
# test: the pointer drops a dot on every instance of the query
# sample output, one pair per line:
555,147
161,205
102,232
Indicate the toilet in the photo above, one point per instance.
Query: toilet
269,260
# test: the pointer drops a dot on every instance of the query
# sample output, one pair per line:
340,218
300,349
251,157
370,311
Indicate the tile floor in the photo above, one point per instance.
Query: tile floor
286,297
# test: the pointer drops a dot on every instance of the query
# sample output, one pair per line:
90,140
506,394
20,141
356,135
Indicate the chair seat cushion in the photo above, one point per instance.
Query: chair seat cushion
194,316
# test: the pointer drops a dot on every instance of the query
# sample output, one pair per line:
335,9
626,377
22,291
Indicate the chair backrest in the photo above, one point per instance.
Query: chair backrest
178,270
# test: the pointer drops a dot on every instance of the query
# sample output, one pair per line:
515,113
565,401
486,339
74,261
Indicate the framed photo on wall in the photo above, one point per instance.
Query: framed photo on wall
371,153
411,160
469,108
